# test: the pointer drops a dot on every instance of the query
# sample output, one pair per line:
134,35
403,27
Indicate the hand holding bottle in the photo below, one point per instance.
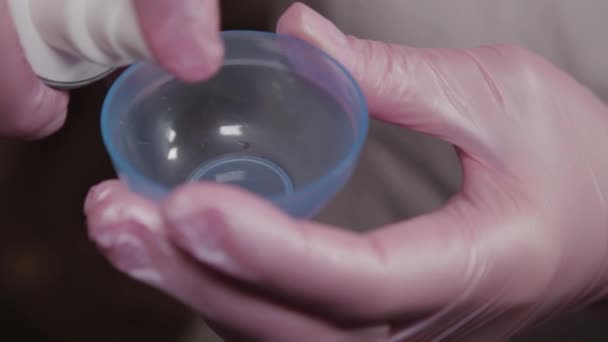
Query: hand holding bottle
182,36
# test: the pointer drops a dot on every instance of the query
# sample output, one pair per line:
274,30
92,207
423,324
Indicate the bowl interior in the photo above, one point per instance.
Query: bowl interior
278,116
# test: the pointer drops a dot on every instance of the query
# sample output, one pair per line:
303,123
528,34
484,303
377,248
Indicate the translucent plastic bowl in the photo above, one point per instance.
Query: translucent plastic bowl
281,119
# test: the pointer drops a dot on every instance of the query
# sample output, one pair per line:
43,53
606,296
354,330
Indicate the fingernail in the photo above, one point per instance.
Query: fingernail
204,236
96,195
201,59
128,253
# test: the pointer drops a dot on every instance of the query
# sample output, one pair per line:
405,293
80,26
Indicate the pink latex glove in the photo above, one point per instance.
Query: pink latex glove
29,109
525,239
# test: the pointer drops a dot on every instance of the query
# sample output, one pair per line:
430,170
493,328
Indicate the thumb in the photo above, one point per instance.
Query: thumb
334,272
28,109
435,91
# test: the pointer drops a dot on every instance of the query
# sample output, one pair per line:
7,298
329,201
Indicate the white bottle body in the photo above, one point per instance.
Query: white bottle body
70,43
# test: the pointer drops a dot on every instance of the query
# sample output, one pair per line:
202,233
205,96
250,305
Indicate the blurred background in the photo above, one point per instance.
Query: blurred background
54,286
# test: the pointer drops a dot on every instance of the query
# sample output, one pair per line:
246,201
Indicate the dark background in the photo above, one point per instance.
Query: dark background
54,286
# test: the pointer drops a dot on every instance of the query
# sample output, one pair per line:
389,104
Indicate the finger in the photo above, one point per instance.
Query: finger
129,232
28,109
183,35
435,91
337,272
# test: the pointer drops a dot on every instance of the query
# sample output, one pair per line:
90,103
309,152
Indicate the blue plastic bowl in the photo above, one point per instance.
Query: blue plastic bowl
281,119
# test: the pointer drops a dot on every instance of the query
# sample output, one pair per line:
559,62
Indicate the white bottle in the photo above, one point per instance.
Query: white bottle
71,43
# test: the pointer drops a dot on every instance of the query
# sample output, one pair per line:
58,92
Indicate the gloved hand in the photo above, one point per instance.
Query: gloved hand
525,239
29,109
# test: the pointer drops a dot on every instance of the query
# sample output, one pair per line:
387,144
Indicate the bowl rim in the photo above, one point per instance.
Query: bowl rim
125,169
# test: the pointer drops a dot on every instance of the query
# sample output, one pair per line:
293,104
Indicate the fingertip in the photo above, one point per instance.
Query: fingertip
58,112
190,199
291,18
130,250
213,223
303,22
37,116
183,38
110,206
55,124
196,63
100,192
184,201
235,208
